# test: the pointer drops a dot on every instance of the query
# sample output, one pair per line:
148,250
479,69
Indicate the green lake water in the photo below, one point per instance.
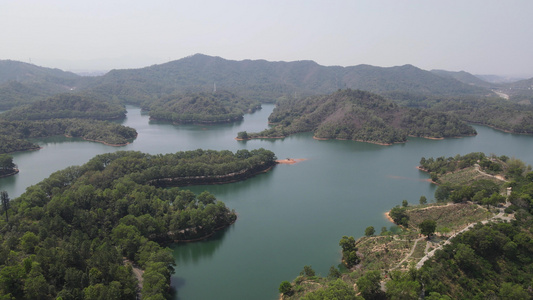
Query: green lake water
291,216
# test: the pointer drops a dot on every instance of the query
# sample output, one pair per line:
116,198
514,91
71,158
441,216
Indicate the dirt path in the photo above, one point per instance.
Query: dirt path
408,255
138,272
470,226
499,177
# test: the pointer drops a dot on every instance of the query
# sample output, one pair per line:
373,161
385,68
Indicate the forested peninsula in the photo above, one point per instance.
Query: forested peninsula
13,134
67,106
473,243
361,116
69,235
201,108
66,114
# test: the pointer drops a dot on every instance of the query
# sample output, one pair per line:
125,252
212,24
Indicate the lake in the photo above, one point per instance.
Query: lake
289,217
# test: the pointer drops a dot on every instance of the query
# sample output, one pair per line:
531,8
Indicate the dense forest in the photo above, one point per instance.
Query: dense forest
358,115
13,134
73,235
492,260
64,106
216,107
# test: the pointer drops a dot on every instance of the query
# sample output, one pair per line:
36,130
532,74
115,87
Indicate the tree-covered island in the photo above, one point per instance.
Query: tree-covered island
7,166
475,242
201,108
361,116
74,234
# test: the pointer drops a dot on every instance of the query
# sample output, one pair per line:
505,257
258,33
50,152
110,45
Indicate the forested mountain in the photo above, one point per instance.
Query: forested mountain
216,107
252,79
71,235
23,72
23,83
269,81
465,77
67,106
358,115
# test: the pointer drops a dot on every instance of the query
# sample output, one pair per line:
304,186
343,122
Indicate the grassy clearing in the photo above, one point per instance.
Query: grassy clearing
451,217
466,177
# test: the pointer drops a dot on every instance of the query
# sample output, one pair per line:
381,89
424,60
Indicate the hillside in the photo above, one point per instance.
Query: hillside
478,247
269,81
465,77
67,106
23,83
496,112
357,115
216,107
520,91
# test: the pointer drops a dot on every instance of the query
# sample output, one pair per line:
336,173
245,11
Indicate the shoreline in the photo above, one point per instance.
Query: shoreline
206,236
15,172
260,137
211,180
388,217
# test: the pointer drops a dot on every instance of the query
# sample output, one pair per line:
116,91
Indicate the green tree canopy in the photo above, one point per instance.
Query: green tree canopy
427,227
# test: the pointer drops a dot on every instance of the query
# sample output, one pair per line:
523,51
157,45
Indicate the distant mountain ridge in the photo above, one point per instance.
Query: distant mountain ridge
261,80
268,81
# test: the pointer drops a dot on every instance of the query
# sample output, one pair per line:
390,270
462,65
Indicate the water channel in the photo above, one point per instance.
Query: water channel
293,215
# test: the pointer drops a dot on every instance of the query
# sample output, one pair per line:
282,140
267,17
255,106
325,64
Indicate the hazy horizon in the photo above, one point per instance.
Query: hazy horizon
480,37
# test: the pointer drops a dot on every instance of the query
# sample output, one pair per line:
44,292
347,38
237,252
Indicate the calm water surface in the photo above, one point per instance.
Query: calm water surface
289,217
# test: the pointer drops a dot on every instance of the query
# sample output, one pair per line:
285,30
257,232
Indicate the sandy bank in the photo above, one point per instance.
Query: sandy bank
290,161
388,217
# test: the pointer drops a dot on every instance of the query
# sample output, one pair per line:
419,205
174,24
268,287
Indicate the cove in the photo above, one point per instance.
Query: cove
289,217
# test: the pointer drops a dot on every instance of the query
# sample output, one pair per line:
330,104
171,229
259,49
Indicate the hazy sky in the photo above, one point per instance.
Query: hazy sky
477,36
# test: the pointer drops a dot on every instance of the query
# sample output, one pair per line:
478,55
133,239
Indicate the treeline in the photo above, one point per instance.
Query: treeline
68,235
66,106
13,134
217,107
358,115
494,112
442,165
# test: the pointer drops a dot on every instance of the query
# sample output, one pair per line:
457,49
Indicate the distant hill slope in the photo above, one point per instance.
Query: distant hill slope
269,81
358,115
520,91
465,77
23,72
23,83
